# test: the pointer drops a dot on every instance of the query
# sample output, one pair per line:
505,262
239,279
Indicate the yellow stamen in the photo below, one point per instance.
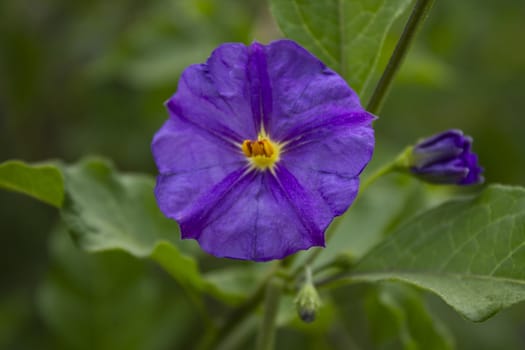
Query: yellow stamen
262,153
267,148
247,148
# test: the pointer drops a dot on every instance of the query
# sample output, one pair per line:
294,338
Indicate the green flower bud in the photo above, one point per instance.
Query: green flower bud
307,301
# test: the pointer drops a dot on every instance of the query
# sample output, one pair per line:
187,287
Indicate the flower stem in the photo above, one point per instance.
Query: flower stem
400,163
385,169
417,17
266,336
308,274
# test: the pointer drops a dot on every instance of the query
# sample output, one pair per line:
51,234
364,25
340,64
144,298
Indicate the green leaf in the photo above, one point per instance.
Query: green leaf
469,252
396,312
389,315
43,182
347,35
106,210
110,301
229,285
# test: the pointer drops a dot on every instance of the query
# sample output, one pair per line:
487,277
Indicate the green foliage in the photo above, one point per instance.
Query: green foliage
469,252
91,77
346,35
43,182
398,312
108,301
229,285
106,210
357,234
390,315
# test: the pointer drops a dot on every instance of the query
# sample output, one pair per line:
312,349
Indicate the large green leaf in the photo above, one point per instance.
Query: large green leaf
43,182
347,35
470,252
106,210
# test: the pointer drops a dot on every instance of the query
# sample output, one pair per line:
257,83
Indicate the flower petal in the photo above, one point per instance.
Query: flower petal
303,92
182,147
189,163
474,175
328,160
449,172
217,96
256,216
441,147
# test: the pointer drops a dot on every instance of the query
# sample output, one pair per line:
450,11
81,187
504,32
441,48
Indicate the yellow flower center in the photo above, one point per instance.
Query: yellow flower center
262,153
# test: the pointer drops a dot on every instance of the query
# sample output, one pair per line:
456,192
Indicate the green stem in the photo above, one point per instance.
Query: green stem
333,278
417,17
238,315
400,163
308,275
266,337
384,170
342,262
325,266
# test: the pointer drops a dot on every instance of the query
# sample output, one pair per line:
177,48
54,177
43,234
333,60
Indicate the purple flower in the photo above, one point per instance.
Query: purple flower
446,158
262,149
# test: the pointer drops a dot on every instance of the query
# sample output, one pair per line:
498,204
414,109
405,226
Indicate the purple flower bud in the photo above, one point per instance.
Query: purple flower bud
446,158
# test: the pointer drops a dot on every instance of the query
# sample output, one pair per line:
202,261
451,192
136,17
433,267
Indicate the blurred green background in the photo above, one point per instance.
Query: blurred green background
79,78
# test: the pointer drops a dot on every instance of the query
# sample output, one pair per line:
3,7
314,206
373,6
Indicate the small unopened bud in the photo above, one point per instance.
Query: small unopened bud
307,301
445,158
